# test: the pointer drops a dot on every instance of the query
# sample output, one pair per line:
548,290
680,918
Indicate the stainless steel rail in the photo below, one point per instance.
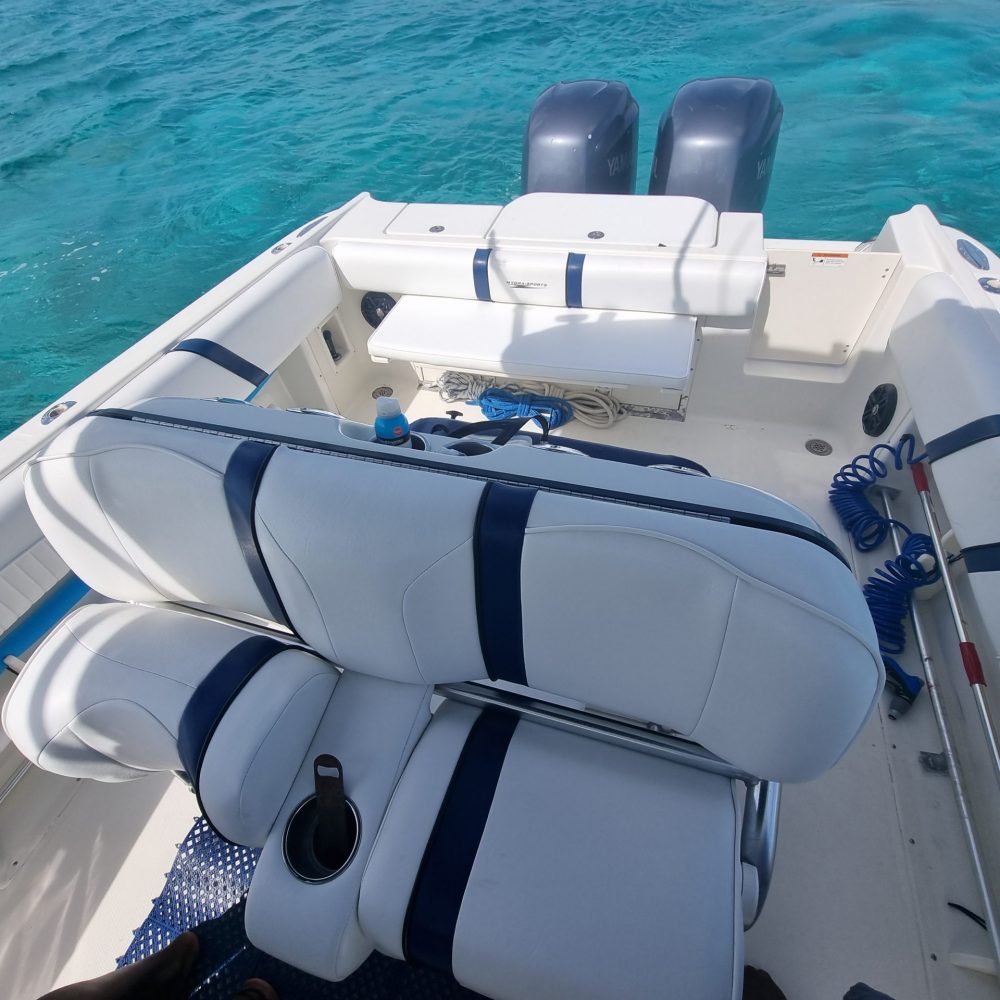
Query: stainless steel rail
970,656
608,730
948,748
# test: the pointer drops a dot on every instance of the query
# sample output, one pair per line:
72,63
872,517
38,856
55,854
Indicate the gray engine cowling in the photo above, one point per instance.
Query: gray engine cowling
582,137
717,142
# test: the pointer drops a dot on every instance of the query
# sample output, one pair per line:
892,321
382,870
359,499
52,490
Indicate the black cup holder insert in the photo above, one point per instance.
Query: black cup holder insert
299,844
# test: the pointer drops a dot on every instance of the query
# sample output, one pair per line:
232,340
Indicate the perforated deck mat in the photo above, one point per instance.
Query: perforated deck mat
205,892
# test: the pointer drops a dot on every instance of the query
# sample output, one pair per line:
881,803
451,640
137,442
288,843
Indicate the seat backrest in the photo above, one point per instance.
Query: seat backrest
708,608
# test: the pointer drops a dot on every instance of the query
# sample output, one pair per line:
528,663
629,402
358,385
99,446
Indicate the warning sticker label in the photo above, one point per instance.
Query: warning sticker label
827,259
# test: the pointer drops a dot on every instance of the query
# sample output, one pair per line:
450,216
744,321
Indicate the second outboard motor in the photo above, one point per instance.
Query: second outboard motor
582,137
717,142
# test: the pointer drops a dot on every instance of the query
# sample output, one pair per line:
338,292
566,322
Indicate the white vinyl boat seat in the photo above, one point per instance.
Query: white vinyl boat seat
118,691
533,864
433,567
694,604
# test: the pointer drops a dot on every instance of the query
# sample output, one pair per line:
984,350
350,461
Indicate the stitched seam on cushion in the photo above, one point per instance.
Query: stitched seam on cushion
305,583
127,666
113,530
400,767
406,590
718,661
110,701
110,449
400,764
400,761
280,716
718,560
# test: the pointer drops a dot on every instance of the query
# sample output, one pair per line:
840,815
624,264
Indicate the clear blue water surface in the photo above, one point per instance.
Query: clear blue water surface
149,147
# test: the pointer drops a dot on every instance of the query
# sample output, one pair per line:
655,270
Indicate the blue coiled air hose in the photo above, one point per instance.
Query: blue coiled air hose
890,588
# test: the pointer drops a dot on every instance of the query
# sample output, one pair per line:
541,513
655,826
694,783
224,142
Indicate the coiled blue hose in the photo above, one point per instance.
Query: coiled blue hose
866,526
889,589
502,404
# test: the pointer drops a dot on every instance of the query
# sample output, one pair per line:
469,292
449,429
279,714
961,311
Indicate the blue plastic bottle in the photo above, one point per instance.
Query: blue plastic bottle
391,426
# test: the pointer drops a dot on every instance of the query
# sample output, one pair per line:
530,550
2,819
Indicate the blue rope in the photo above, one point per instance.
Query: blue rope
889,589
502,404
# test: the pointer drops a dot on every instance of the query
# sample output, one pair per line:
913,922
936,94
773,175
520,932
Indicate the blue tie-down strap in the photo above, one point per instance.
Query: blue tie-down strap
609,452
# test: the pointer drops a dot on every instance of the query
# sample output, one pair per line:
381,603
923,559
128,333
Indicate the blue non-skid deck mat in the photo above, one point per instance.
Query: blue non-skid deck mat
205,892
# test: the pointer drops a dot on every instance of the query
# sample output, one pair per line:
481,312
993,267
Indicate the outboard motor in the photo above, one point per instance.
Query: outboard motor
583,138
717,142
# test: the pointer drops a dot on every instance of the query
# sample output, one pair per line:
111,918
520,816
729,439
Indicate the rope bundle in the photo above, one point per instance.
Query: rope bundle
502,400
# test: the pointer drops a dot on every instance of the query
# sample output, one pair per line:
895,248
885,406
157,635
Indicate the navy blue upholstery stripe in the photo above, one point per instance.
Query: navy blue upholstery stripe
432,913
417,460
216,693
982,558
497,544
224,358
241,482
964,437
608,452
481,274
574,280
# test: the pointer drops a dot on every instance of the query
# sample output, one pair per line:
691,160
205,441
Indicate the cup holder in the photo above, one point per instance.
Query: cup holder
299,843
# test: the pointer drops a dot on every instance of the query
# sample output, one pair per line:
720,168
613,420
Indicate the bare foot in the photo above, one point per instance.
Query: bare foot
163,976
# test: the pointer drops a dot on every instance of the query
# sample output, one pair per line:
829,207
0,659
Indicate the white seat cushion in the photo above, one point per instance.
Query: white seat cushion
588,579
105,697
596,872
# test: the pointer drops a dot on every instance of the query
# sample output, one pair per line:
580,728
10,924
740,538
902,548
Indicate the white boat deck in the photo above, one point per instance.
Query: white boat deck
868,856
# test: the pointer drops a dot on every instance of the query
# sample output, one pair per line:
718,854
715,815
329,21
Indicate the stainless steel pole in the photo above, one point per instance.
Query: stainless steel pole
970,655
948,748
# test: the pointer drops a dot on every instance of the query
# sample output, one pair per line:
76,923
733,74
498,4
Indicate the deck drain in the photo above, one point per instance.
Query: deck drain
382,390
817,446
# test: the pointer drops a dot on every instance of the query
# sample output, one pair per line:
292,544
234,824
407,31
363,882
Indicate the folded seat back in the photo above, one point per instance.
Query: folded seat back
710,609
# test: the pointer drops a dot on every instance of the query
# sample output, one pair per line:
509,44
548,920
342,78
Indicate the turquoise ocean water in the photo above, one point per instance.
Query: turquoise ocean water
149,147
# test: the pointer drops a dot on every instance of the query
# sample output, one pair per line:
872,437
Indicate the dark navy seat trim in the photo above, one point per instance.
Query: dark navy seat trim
241,482
574,280
982,558
432,913
964,437
481,274
417,460
497,544
608,452
224,358
213,696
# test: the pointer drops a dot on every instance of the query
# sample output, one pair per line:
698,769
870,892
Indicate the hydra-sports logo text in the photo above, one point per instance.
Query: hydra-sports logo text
527,284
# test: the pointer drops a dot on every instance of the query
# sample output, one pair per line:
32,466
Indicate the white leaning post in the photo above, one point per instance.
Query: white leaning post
948,748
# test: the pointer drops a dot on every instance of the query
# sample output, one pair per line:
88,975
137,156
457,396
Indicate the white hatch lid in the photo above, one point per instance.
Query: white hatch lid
581,346
624,220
